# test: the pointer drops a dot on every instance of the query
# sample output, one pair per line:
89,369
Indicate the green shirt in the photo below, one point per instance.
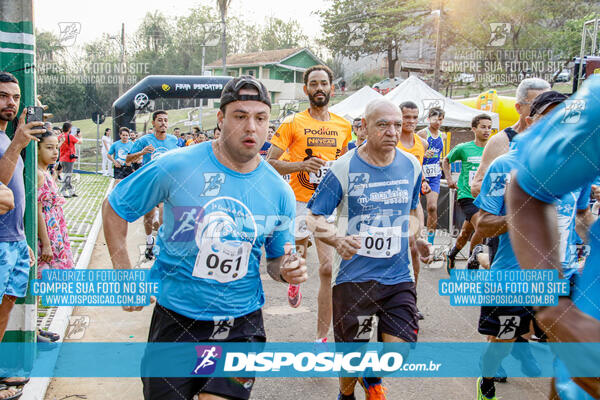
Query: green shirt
469,154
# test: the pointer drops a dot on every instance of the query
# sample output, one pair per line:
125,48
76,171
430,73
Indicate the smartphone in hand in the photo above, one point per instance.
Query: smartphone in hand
34,114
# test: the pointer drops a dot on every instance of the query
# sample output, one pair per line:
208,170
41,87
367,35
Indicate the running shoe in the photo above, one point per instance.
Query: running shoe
480,395
373,391
348,397
449,262
294,296
420,315
500,376
473,262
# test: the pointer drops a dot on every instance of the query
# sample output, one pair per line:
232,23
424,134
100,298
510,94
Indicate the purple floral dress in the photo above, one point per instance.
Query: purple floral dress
56,226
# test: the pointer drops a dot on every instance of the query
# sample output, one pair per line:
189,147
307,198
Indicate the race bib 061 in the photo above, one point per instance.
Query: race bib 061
223,262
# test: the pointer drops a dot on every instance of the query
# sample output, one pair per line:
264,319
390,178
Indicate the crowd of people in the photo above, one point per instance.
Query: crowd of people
218,203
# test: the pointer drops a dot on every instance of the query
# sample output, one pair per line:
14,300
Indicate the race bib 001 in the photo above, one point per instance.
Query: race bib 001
223,262
318,177
380,242
431,170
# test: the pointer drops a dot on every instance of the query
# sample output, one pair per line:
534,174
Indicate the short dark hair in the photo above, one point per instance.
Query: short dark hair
318,68
177,129
123,128
6,77
479,117
66,127
157,113
408,104
436,111
106,130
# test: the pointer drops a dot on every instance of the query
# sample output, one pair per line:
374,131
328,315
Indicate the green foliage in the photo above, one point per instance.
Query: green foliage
354,28
278,34
361,79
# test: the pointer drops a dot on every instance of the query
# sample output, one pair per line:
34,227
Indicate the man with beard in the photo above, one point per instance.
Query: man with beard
314,138
16,256
150,147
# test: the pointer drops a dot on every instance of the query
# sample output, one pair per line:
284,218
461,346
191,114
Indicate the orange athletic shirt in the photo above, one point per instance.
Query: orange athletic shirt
304,137
418,150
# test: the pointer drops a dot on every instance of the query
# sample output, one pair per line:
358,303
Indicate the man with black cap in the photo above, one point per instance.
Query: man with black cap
212,238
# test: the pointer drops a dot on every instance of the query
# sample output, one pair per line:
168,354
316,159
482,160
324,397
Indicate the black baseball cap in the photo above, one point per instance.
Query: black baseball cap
545,100
231,91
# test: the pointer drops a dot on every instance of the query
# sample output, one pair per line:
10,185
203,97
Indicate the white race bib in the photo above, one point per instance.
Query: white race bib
431,170
318,177
287,177
223,262
472,176
380,242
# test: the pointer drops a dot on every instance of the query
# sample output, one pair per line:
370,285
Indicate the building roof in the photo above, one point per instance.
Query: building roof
260,58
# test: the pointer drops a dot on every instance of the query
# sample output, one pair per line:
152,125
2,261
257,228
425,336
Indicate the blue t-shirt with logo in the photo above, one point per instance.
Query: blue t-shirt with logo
120,150
160,146
375,203
215,223
491,200
567,207
11,223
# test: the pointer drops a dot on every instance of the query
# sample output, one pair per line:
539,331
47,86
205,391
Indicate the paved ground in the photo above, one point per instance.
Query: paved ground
442,324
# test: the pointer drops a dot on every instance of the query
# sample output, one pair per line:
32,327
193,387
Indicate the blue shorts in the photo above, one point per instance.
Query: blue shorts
434,183
14,268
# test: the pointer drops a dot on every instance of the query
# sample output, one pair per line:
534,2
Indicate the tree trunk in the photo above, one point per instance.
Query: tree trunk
391,61
224,40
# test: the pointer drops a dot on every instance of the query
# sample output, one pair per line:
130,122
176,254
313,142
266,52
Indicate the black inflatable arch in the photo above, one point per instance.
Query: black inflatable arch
163,86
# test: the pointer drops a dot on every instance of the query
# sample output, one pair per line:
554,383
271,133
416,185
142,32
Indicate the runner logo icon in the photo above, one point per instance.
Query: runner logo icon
365,327
222,328
212,183
207,359
499,34
508,326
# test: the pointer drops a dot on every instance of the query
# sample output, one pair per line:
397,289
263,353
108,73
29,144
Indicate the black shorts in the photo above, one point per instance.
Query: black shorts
505,322
354,305
467,207
169,326
136,165
492,244
123,172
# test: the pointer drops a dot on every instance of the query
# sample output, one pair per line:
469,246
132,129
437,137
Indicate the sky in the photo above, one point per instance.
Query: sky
97,17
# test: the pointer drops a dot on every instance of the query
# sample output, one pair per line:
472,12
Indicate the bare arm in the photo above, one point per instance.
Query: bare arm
447,173
497,145
289,268
534,237
23,135
115,162
7,200
115,233
346,246
490,225
287,167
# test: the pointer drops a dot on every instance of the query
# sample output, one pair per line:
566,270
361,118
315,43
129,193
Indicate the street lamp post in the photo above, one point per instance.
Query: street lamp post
438,45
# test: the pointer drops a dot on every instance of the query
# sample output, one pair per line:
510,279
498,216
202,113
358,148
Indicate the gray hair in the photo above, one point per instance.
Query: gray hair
375,104
530,84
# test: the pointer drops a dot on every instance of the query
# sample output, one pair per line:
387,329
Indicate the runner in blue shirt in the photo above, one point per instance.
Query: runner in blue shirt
432,171
374,191
559,155
118,155
150,147
212,239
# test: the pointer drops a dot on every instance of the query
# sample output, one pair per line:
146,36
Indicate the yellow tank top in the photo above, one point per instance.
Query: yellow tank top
418,150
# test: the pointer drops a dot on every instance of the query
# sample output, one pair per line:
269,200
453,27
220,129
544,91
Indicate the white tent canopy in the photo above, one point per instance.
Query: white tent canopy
457,115
354,106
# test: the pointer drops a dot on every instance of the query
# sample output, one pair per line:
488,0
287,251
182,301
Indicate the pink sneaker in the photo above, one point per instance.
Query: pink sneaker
294,296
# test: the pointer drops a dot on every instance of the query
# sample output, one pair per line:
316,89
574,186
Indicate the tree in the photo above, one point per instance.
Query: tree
278,34
223,5
47,45
354,28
